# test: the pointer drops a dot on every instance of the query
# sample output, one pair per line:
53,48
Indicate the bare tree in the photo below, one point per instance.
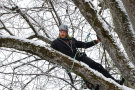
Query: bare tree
28,28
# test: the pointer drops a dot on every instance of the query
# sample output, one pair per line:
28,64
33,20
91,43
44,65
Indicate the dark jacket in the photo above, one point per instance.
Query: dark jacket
71,49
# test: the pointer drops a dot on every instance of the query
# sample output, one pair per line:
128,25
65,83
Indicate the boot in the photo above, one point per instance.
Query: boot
108,75
121,82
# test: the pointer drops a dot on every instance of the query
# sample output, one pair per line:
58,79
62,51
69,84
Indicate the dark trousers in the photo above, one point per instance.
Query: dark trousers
96,66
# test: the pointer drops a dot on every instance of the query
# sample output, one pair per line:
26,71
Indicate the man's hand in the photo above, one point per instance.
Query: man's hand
98,39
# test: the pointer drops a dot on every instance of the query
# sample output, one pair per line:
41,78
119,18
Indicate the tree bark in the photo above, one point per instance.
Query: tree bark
117,56
130,8
123,28
56,57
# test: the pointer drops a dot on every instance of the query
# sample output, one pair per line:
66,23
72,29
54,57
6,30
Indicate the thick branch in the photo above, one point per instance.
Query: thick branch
53,56
130,8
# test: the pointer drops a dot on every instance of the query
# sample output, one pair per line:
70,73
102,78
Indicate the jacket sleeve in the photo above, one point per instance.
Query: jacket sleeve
80,44
54,46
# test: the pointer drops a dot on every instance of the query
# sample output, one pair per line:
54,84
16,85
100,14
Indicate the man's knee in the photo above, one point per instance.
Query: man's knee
99,66
93,64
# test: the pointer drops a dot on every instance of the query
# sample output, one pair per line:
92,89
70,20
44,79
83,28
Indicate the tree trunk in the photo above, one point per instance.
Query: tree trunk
123,28
130,8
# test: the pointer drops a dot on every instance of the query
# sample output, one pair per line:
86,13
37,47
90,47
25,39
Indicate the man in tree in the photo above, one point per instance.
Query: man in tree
69,45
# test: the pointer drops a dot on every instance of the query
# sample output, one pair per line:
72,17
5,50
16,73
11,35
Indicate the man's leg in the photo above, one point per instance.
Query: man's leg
96,66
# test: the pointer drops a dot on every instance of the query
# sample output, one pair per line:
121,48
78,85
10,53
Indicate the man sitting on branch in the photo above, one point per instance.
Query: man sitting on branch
69,45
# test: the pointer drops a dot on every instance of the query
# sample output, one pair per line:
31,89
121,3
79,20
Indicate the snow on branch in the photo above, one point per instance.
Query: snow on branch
56,57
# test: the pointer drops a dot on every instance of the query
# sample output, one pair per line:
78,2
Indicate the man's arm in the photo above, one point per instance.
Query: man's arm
54,46
80,44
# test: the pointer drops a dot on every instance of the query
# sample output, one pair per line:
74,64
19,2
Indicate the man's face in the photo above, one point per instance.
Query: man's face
63,34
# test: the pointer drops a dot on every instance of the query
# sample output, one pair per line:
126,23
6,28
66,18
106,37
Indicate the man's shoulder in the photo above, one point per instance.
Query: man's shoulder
56,40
